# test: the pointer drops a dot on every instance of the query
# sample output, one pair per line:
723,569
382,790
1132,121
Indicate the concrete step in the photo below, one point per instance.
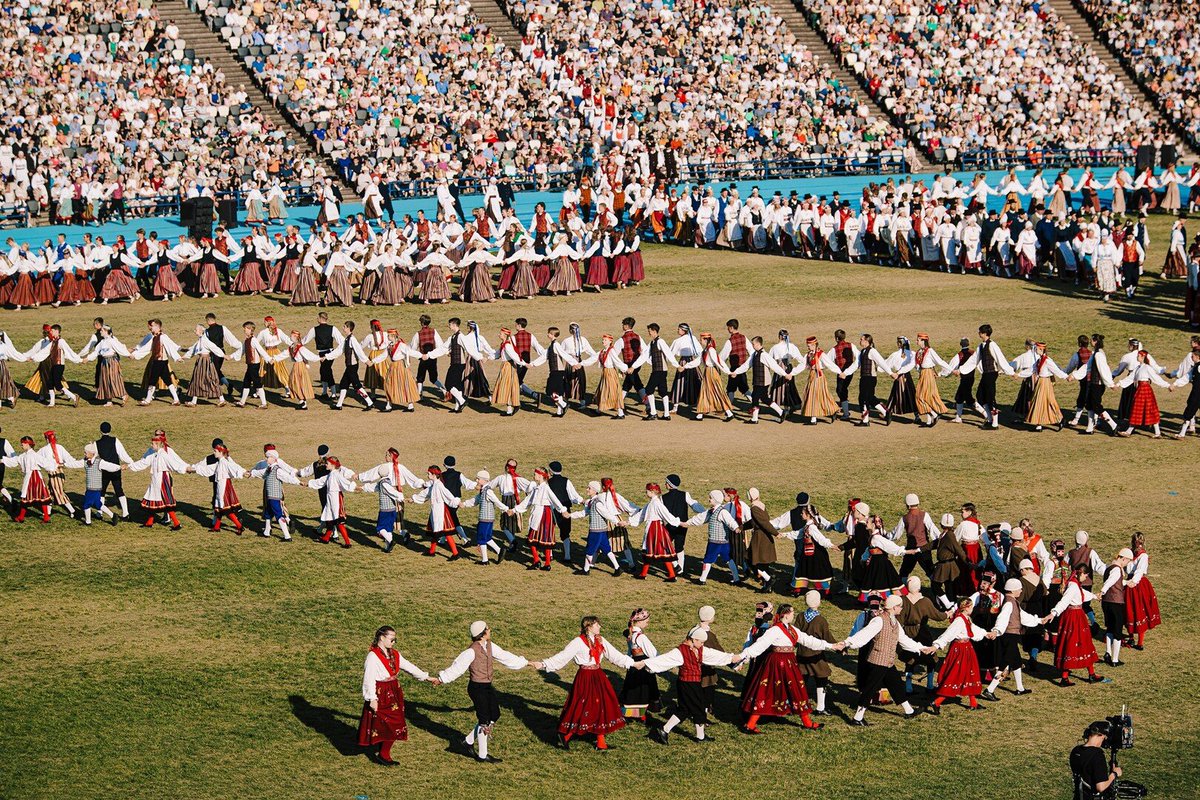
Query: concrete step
492,14
792,13
1070,13
209,46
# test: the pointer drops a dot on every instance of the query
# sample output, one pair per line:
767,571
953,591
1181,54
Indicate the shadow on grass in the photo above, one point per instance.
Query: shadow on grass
422,715
540,718
329,723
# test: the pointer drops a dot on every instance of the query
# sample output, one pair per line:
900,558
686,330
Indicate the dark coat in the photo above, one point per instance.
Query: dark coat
762,537
950,557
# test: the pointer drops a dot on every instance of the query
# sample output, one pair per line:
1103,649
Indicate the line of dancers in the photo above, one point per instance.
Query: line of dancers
391,369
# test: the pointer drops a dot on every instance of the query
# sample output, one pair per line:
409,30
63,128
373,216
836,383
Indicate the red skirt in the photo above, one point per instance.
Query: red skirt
636,267
622,272
776,688
659,544
968,579
1145,407
597,271
43,288
37,494
592,705
22,291
959,673
1141,607
1074,649
388,723
543,535
285,282
167,282
541,274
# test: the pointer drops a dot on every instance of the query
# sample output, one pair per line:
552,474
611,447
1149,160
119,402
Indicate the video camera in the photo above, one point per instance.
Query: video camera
1120,731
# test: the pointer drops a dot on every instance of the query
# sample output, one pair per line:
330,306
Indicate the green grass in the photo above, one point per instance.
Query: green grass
140,663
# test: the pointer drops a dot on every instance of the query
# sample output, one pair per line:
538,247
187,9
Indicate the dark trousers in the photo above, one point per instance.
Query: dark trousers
873,677
350,381
866,392
427,370
909,561
111,479
1114,618
843,389
252,380
483,697
986,395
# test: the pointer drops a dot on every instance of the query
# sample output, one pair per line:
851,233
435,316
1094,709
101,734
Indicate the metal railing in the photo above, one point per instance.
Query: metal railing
1057,158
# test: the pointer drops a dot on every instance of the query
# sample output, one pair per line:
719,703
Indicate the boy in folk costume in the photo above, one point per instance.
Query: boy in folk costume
478,662
817,400
256,356
353,353
466,350
559,361
915,615
734,354
56,457
1098,377
609,395
1009,628
539,502
919,533
990,361
877,663
602,517
51,354
721,527
488,503
658,355
93,498
632,347
337,482
425,341
162,350
326,339
222,470
813,664
1112,603
441,524
527,347
950,561
681,505
688,658
34,492
566,493
274,473
759,364
159,498
869,365
1189,373
964,395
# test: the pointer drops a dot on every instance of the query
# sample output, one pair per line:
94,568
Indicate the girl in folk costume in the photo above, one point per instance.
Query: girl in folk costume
34,492
539,502
579,351
802,525
712,398
338,291
299,382
639,694
159,498
1107,266
394,282
274,472
721,527
878,574
966,380
521,283
1043,405
775,687
1145,407
685,386
609,396
928,401
1176,264
372,266
1074,648
507,391
166,281
959,674
1120,183
249,279
222,470
1169,182
488,503
382,722
399,385
476,284
374,344
658,545
512,488
903,397
592,706
817,401
689,658
1025,251
603,512
94,468
619,272
206,381
435,282
337,482
110,385
119,285
441,524
57,457
564,271
1141,603
8,389
783,387
597,274
637,267
208,282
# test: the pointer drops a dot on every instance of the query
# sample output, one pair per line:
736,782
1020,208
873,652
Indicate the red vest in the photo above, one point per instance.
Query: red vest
425,340
523,341
692,659
737,350
631,347
843,354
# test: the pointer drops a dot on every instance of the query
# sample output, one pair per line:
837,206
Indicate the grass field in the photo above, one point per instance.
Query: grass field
140,663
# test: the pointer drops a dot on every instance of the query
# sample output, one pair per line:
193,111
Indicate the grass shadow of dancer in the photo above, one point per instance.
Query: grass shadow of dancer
331,724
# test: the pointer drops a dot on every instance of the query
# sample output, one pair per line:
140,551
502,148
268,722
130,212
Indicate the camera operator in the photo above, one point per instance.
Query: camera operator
1089,764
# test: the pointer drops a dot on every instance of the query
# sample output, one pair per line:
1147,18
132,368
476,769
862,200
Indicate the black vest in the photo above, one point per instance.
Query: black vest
350,354
216,335
456,359
758,368
106,448
452,480
987,362
320,469
675,501
865,365
657,362
558,485
323,336
552,357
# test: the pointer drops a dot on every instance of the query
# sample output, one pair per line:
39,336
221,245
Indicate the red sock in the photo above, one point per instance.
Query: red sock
537,558
21,514
237,523
548,553
45,513
174,519
1066,675
385,751
150,521
974,702
938,702
670,569
216,522
453,547
1091,671
645,570
345,536
807,720
752,722
433,547
600,743
329,535
567,737
1141,638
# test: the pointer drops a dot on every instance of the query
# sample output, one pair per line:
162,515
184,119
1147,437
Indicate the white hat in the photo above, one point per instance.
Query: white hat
90,449
947,520
1005,527
1017,533
864,509
1025,564
913,579
594,486
1081,537
698,634
1012,585
893,601
477,628
911,499
483,475
1125,553
707,613
716,496
812,598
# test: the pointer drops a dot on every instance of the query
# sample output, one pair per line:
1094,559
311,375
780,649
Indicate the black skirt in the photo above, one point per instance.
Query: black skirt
475,383
880,574
576,385
903,399
1024,396
815,567
640,688
685,387
783,392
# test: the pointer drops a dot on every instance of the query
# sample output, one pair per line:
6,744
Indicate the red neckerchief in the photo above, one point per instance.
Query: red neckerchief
595,647
814,362
966,620
391,664
792,637
1038,369
392,350
516,490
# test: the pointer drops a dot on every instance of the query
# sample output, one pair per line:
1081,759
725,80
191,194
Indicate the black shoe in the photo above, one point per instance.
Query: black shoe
821,714
669,580
934,710
1023,691
455,557
563,742
489,760
659,735
859,723
391,543
986,695
976,708
532,566
617,572
545,568
913,715
483,563
580,571
176,527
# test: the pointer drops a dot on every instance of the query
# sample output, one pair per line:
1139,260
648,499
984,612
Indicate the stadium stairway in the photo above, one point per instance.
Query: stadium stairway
208,45
492,14
1068,11
797,22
